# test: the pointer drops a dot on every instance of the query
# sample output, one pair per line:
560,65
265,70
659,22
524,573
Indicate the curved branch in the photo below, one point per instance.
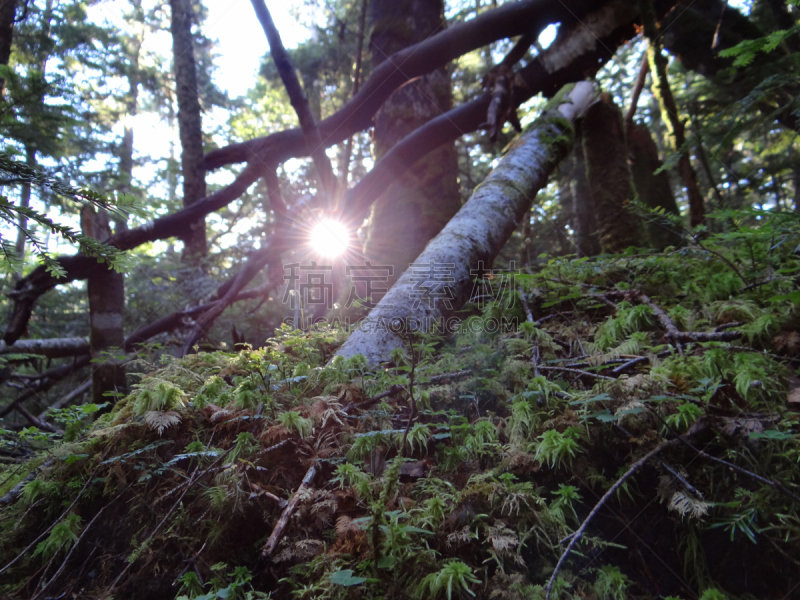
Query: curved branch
507,21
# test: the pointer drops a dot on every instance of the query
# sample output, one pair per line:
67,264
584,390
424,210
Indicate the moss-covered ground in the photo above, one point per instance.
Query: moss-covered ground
629,420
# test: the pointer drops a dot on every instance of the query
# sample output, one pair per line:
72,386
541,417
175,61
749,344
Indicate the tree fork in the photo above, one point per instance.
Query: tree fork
298,99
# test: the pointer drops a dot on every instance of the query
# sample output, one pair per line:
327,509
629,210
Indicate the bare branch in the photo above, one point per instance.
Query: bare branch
699,426
283,520
298,99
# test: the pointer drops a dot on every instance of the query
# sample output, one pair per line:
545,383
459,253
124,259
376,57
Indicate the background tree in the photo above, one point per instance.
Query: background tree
416,207
190,121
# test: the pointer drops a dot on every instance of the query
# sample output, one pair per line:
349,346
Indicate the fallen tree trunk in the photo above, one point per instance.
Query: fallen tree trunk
442,277
49,348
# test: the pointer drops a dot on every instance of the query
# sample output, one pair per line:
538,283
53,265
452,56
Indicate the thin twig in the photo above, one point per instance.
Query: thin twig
54,523
680,478
578,372
73,395
77,542
17,489
679,336
628,364
631,470
439,379
644,69
283,520
699,242
770,482
194,479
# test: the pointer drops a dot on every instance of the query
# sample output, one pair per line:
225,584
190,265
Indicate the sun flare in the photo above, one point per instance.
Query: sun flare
329,238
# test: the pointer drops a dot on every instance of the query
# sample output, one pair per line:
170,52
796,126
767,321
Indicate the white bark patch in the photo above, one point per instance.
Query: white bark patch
51,348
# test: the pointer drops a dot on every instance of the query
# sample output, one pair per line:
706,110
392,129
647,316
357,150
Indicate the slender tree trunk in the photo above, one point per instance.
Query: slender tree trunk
344,169
8,10
442,279
587,240
796,182
609,176
415,208
669,112
654,191
106,305
30,149
25,202
126,150
190,122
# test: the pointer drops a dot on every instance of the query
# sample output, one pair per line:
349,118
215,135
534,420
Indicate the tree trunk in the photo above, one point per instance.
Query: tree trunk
190,122
652,190
106,304
669,112
25,202
609,176
427,295
416,207
587,241
8,10
126,150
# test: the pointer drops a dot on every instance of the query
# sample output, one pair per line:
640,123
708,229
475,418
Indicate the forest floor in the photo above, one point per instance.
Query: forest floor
624,426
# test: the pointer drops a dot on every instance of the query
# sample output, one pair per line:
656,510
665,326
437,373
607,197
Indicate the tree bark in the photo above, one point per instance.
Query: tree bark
190,123
50,348
414,208
8,10
652,190
424,298
609,176
587,241
669,111
106,304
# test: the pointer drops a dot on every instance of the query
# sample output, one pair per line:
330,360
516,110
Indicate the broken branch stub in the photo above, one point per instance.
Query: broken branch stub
474,236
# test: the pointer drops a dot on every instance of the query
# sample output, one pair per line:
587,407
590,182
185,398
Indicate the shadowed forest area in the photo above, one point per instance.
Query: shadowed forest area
460,299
